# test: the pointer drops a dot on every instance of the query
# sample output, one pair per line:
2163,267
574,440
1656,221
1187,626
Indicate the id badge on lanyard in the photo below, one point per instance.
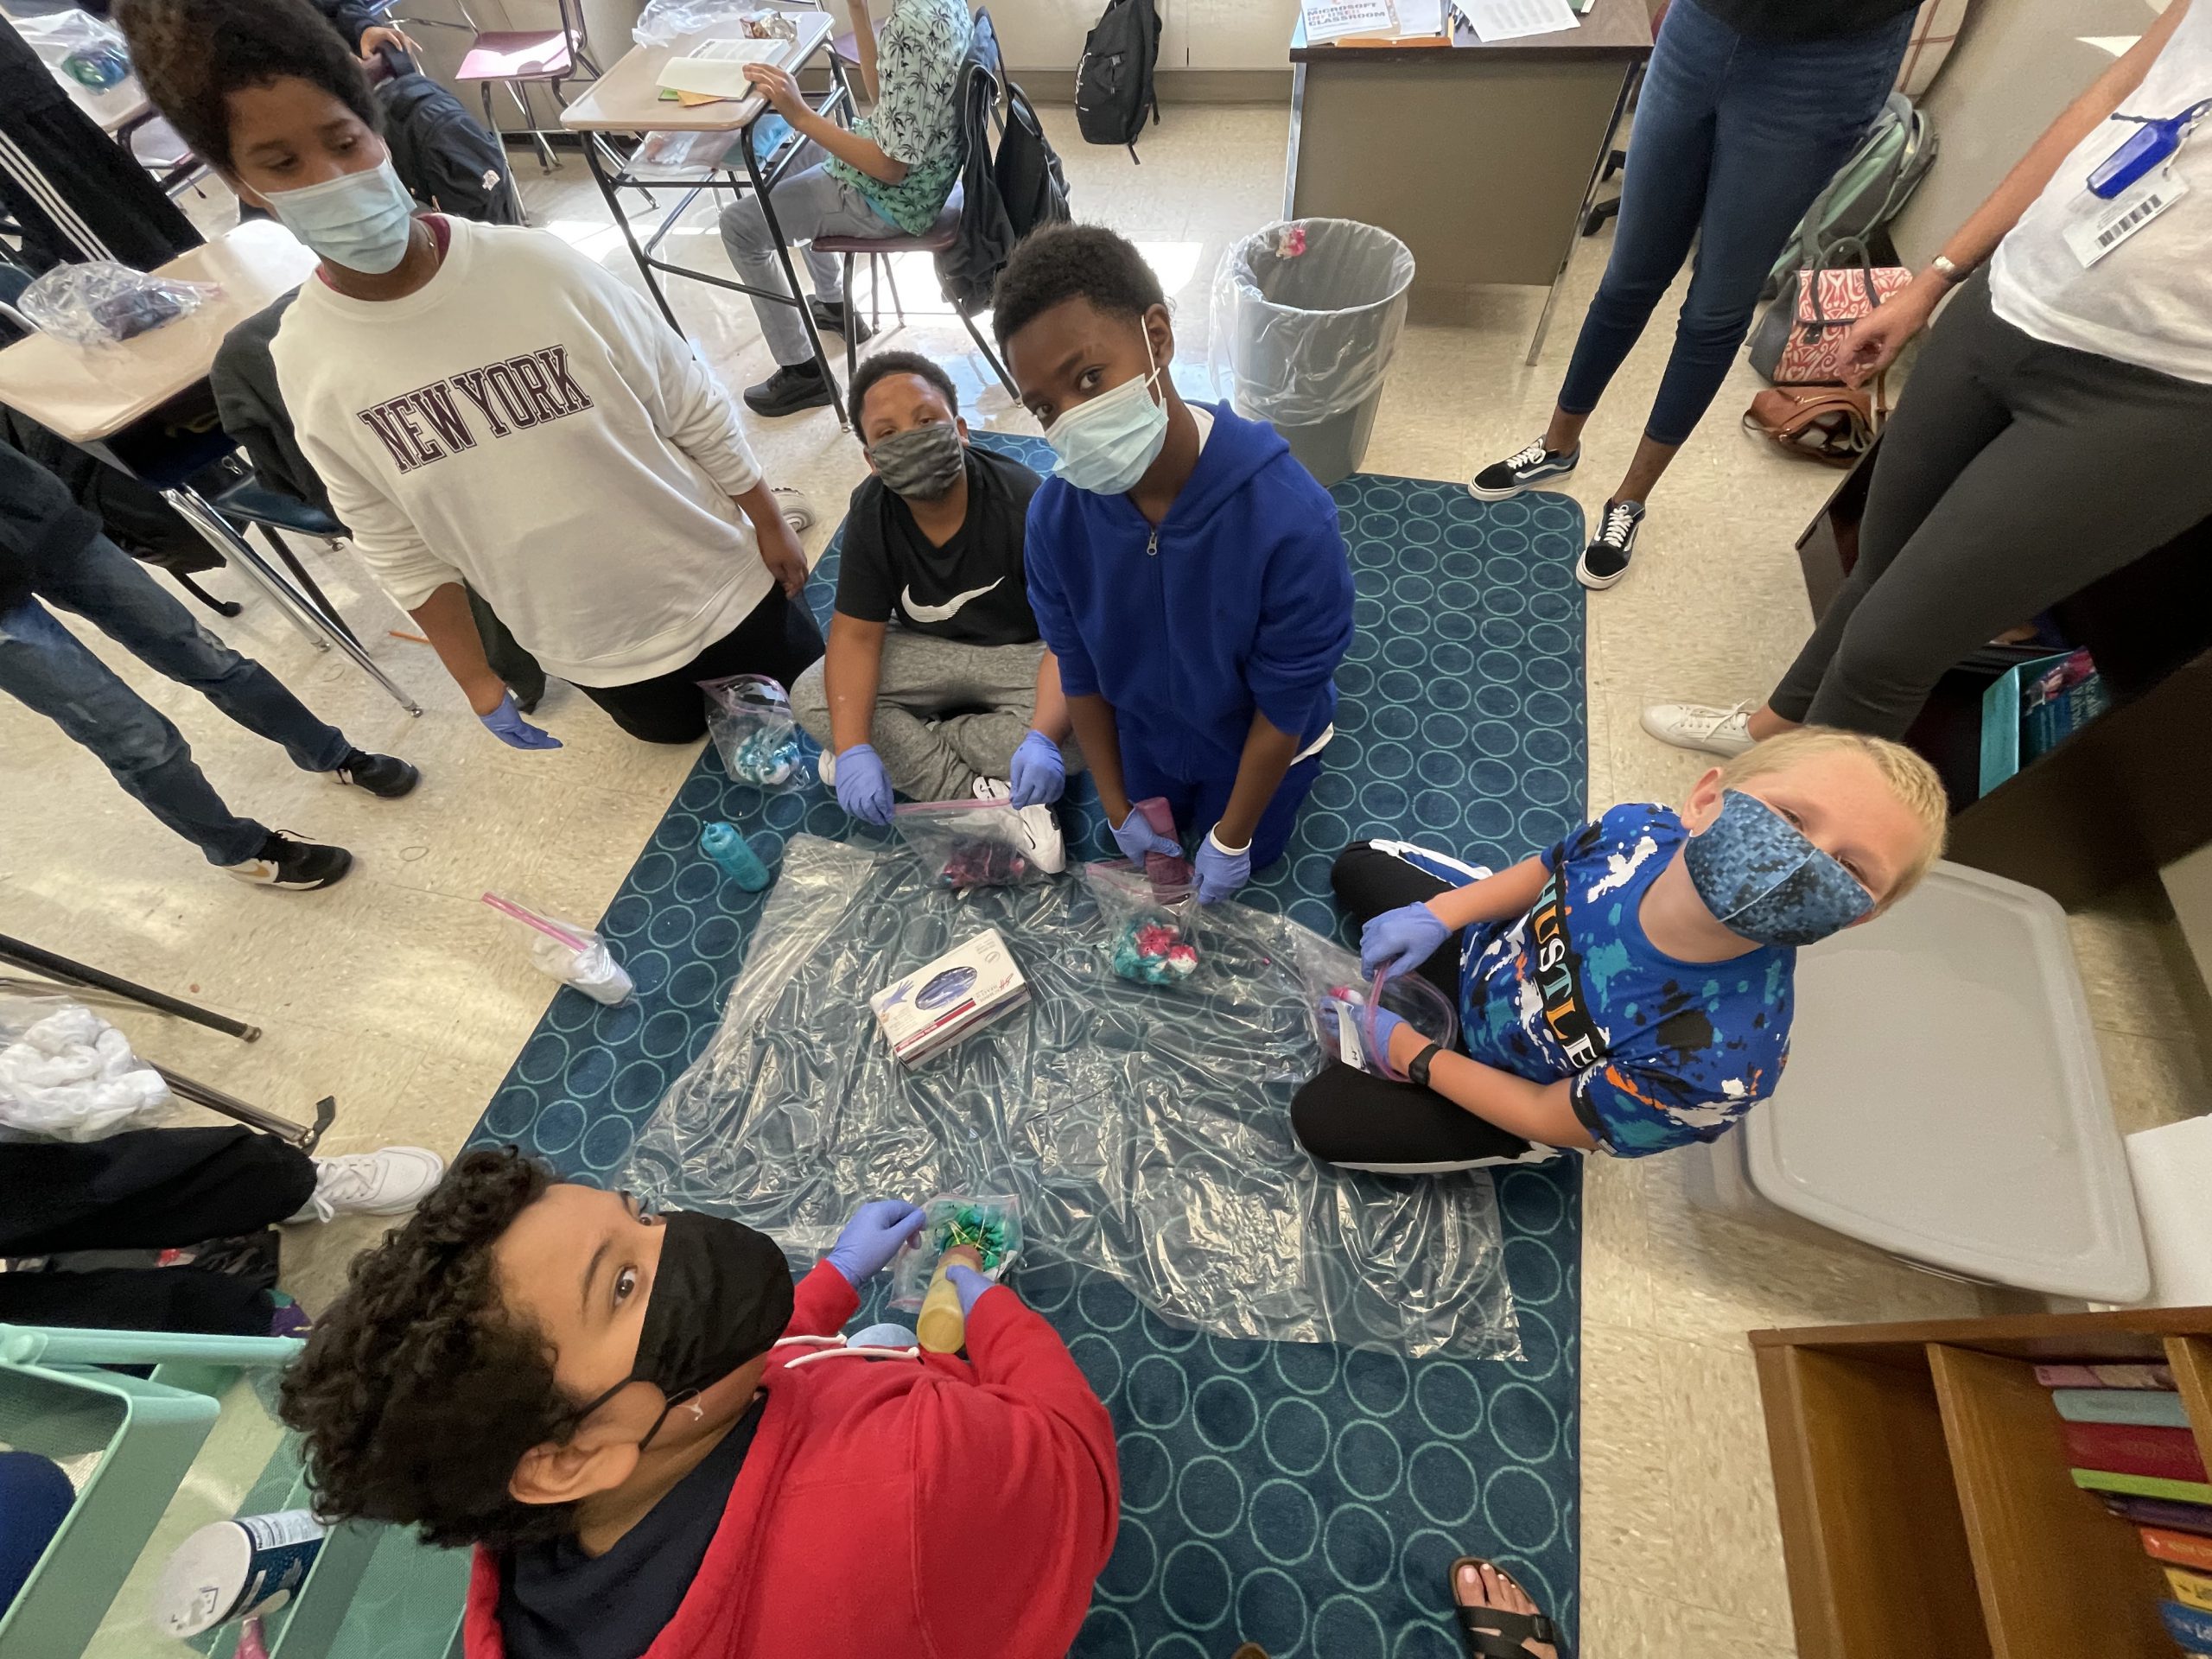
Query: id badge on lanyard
2133,185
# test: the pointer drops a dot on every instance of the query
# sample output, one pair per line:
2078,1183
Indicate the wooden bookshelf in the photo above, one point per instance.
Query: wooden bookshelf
1921,1475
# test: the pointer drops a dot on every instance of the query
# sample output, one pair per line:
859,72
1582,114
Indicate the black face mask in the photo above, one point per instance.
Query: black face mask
720,1297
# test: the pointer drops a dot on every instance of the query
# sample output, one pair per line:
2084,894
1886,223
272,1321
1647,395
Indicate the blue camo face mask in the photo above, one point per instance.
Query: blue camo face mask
1760,877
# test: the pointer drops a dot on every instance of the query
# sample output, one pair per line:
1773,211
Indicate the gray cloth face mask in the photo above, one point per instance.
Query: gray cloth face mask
922,463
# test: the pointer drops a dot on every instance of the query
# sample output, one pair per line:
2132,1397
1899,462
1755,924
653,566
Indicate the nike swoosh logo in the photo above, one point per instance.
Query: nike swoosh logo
945,612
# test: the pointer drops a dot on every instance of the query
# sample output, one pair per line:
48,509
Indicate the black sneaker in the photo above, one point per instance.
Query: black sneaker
296,866
832,317
383,775
791,388
1522,470
1604,561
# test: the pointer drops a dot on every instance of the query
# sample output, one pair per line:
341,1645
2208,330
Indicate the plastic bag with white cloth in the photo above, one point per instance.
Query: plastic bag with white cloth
67,1073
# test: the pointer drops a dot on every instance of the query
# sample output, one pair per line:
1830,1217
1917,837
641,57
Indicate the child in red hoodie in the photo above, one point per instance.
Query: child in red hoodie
658,1450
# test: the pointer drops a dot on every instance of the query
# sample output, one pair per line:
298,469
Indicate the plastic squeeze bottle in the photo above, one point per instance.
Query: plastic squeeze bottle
721,842
942,1327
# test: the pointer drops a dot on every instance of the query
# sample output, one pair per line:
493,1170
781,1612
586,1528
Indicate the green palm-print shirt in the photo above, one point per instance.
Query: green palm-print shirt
918,69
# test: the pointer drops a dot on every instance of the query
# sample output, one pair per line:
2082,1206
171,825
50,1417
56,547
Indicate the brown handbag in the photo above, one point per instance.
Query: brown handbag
1832,425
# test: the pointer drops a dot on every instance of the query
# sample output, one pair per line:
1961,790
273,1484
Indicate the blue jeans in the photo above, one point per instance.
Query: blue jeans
1733,139
45,667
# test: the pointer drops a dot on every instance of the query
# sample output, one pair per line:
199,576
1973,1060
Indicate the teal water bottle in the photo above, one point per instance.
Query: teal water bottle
721,842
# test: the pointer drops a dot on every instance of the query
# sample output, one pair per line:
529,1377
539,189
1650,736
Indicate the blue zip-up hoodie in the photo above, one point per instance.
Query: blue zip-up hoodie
1242,600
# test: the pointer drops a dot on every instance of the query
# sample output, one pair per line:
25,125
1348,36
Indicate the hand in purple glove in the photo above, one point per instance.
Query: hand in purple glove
863,787
1400,939
1386,1026
1221,870
1039,774
505,722
968,1285
1137,837
872,1237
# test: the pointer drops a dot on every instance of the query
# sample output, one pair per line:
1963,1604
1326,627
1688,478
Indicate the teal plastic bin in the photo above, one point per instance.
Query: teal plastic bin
141,1434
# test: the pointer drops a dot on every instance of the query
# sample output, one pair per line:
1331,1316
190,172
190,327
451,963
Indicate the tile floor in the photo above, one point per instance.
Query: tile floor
405,998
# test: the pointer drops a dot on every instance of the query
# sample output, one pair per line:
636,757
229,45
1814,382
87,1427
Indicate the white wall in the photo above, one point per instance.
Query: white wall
1047,34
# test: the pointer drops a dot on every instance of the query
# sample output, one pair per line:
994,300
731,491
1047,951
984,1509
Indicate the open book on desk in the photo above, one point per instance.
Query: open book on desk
717,68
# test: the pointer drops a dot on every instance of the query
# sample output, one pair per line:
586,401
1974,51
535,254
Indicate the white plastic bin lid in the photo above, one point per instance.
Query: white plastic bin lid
1943,1099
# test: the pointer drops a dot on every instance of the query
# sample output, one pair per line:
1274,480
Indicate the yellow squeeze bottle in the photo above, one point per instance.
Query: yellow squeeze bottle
941,1325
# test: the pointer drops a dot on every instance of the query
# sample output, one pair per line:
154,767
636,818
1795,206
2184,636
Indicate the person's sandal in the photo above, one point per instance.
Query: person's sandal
1493,1632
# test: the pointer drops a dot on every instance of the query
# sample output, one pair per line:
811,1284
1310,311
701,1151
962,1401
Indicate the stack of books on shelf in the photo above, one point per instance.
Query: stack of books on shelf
2128,1438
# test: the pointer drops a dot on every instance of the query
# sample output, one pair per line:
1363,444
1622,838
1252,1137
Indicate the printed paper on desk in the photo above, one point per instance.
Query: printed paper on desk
1332,20
1510,20
1418,19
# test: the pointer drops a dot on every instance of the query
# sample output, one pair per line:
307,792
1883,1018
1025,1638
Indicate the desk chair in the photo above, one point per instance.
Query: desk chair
517,58
984,63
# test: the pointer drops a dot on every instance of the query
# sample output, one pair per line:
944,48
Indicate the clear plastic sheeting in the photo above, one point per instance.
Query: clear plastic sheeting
1146,1131
1306,314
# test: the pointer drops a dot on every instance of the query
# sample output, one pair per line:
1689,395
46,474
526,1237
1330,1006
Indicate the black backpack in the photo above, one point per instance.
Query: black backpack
1005,195
1113,79
444,158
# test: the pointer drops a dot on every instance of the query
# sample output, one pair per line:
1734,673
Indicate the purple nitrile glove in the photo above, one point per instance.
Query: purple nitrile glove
968,1285
1136,837
872,1237
863,787
1386,1026
1400,939
1220,871
1038,774
505,722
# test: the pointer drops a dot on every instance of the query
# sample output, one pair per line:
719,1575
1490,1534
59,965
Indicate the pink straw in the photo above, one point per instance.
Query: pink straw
530,918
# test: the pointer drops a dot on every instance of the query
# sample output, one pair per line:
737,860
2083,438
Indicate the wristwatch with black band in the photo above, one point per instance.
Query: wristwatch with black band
1418,1071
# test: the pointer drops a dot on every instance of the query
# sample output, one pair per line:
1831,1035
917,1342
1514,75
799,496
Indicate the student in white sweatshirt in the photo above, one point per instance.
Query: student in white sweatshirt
486,405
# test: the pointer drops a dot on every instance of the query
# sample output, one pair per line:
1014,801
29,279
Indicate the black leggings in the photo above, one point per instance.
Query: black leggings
779,638
1351,1118
144,1189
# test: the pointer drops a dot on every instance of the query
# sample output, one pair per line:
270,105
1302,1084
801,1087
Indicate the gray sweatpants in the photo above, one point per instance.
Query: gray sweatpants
2014,474
808,203
945,713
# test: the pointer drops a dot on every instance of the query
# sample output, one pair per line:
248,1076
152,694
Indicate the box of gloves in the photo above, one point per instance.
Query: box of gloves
959,993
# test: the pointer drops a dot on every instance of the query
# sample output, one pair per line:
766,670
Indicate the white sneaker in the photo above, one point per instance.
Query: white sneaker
1046,848
1699,725
796,506
993,789
386,1182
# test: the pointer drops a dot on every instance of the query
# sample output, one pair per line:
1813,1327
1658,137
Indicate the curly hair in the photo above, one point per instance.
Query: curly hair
191,55
881,366
418,1393
1072,262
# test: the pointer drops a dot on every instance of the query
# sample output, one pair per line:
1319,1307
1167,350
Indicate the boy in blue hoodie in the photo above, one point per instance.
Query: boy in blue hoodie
1186,571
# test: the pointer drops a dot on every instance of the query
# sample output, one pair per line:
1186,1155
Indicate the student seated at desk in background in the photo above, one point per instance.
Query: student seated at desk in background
1186,571
655,1445
933,649
485,404
886,176
1631,989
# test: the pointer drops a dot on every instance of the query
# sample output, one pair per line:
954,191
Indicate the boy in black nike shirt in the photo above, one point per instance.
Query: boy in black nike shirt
937,685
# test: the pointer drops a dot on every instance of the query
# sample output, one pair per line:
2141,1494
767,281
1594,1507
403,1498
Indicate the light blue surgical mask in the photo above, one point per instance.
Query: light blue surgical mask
360,221
1760,877
1106,444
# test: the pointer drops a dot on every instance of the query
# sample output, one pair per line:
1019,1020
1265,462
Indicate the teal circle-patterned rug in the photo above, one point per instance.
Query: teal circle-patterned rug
1306,1499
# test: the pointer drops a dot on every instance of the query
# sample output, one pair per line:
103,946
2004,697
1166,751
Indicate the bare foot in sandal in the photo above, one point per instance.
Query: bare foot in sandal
1497,1619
